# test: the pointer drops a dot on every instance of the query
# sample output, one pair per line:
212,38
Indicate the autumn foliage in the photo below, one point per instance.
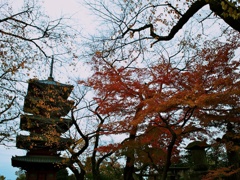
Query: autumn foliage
159,105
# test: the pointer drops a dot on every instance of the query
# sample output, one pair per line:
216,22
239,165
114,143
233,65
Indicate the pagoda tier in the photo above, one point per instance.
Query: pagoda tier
48,88
42,141
47,108
46,103
33,122
48,98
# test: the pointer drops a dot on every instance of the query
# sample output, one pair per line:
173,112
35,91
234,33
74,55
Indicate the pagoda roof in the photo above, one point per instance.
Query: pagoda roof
40,159
48,98
41,87
49,81
197,145
39,162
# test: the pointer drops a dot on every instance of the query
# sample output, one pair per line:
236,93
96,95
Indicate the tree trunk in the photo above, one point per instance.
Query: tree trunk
169,155
79,176
129,167
216,7
96,174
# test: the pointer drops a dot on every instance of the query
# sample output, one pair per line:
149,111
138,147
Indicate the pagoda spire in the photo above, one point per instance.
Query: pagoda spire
51,69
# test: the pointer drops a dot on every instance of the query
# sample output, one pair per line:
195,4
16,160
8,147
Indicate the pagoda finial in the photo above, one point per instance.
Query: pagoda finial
51,70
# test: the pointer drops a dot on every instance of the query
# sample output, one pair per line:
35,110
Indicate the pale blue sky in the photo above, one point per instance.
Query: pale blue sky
6,168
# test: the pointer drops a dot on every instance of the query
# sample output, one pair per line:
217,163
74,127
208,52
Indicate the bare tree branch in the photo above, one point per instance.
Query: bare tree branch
215,6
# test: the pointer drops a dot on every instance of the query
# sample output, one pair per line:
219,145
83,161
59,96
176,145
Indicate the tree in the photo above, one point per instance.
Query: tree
2,178
85,158
161,104
63,175
28,39
164,94
110,169
227,10
20,175
137,17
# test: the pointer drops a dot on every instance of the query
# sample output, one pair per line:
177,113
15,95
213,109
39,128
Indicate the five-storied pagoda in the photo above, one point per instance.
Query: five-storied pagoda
45,105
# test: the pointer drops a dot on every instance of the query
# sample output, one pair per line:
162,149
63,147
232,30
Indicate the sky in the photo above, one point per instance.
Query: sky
55,8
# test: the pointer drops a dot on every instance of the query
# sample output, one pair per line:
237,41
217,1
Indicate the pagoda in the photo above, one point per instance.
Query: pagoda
45,105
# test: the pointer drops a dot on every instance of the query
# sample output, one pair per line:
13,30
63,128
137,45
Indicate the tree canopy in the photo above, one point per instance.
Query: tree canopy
164,71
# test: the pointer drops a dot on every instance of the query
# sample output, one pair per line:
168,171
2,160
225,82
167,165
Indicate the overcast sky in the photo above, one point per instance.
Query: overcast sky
55,8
